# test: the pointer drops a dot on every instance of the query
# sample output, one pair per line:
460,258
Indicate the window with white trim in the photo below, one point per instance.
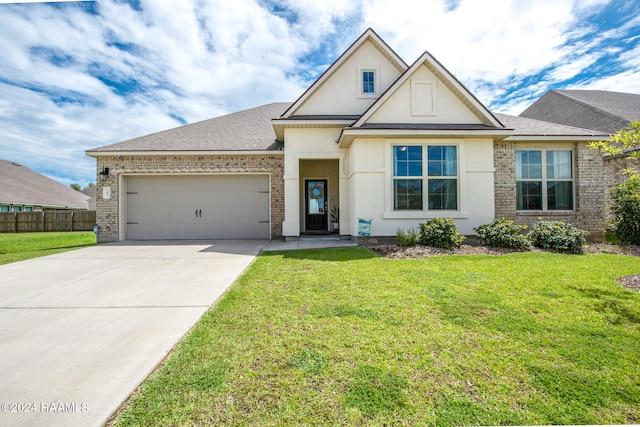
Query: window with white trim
368,82
418,188
544,180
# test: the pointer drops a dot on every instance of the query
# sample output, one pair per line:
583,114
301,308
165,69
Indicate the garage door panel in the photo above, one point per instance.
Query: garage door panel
197,207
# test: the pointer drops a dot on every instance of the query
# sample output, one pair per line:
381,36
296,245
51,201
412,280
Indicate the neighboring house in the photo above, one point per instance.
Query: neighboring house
25,190
384,141
90,192
603,111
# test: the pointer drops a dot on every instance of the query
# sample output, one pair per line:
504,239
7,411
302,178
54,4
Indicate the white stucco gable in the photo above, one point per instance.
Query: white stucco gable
427,94
339,91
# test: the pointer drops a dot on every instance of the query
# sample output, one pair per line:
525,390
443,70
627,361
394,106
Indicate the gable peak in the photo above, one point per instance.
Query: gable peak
368,36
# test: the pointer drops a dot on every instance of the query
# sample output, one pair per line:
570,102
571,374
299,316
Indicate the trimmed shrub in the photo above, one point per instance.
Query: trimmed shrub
626,210
503,233
441,233
558,236
409,238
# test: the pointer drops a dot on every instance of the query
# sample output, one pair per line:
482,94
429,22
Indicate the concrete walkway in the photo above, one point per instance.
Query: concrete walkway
79,331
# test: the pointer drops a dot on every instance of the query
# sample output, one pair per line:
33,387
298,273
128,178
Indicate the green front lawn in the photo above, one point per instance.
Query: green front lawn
20,246
344,337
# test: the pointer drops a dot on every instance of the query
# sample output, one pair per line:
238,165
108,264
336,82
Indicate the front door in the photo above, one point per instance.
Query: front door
316,205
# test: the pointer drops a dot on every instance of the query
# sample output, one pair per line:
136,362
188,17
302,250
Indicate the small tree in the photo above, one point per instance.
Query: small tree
76,186
626,196
626,209
622,142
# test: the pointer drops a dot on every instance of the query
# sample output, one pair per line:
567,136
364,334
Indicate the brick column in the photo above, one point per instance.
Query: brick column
504,160
590,198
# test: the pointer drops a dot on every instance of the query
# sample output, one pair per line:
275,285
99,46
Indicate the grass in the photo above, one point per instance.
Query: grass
344,337
21,246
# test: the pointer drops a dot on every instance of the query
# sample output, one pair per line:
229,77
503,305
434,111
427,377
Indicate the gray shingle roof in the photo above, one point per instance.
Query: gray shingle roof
251,130
523,126
590,109
21,185
247,130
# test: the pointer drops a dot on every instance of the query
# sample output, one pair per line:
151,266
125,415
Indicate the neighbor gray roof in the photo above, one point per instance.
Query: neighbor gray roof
247,130
523,126
90,191
590,109
23,186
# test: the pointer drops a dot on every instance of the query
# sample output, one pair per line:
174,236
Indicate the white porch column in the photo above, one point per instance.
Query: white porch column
291,224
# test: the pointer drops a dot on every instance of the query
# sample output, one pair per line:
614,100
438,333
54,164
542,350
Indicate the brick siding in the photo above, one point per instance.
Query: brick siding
589,186
107,215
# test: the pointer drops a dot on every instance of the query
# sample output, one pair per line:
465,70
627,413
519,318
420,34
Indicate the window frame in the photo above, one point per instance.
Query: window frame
544,179
376,82
425,178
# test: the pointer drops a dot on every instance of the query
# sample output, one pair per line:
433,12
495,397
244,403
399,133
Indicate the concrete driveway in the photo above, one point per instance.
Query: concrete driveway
79,331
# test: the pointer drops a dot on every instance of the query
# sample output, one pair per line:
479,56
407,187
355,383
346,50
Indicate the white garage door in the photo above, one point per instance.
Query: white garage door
197,207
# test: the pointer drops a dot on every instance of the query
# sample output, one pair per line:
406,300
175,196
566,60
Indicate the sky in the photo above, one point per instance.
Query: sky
79,75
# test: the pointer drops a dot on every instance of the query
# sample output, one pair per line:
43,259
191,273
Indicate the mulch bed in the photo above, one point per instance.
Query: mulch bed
418,251
630,282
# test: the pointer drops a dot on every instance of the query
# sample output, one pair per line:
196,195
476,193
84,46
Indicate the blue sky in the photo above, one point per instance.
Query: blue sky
78,75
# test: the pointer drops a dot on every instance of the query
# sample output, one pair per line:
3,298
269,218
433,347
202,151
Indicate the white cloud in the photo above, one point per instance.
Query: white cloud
190,59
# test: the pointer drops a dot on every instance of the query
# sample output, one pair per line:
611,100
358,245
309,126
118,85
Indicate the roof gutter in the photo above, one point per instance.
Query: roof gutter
557,138
348,135
280,124
98,153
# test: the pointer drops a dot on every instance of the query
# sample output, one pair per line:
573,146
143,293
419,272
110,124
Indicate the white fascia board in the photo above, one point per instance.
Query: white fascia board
280,124
348,135
93,153
556,138
311,122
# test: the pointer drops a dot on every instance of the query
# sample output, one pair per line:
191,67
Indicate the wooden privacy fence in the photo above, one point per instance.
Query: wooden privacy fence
31,222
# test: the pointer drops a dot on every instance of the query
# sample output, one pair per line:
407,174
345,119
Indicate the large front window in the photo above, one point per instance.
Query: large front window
434,187
544,180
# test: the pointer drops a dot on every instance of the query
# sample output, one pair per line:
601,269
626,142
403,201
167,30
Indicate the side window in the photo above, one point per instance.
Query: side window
544,180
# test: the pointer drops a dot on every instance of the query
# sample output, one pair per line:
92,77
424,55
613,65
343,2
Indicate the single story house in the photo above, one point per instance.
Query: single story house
25,190
601,110
373,137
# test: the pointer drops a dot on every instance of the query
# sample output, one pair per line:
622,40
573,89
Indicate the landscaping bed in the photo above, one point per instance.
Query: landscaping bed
421,251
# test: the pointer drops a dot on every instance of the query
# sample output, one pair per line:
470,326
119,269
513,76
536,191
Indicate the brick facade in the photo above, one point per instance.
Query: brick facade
589,213
504,161
108,211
